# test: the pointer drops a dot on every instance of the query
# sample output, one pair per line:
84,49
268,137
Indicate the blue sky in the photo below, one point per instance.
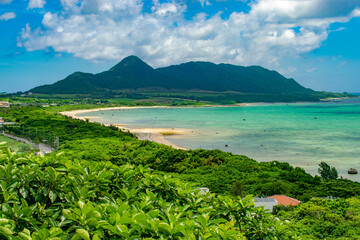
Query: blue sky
316,42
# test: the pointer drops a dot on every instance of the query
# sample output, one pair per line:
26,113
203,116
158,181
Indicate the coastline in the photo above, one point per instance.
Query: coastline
158,134
150,134
73,113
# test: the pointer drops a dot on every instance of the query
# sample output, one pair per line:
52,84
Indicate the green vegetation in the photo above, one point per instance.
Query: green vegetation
68,102
90,150
194,81
55,198
327,172
14,145
214,169
132,74
324,219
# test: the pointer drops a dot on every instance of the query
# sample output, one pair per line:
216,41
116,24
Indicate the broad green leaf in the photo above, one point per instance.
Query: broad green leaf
96,237
201,220
6,231
165,227
52,196
55,231
67,213
122,228
219,220
81,204
77,237
4,220
26,231
25,236
153,213
24,192
83,233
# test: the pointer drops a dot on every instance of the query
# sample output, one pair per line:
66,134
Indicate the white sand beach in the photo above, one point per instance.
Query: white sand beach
150,134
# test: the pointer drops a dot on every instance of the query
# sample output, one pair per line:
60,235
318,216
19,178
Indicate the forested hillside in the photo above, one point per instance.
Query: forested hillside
132,74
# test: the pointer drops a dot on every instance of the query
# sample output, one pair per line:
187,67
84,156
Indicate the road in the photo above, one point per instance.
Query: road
43,149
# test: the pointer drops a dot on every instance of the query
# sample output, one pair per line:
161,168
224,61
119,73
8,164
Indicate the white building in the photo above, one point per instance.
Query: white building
4,104
267,203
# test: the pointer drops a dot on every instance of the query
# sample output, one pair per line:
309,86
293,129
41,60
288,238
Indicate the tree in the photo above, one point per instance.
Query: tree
237,189
327,172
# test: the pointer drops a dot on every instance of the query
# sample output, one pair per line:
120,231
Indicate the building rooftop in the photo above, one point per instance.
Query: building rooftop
4,104
285,200
264,200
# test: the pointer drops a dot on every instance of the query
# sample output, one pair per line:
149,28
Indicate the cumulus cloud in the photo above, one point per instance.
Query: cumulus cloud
205,2
310,70
5,1
7,16
112,29
275,10
356,12
36,4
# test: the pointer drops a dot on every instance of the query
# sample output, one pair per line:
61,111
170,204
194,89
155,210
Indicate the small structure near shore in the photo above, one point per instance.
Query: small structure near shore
352,171
267,203
270,202
2,122
285,200
4,104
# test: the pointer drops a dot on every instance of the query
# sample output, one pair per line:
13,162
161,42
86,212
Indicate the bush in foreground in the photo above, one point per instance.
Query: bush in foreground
55,198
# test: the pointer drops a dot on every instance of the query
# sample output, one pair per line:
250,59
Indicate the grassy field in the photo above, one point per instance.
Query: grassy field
15,145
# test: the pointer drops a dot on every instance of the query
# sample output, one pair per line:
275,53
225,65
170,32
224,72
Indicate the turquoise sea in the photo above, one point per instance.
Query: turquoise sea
303,134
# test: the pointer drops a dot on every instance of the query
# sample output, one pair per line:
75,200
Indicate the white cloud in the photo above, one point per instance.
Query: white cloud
287,71
302,9
168,9
112,29
7,16
356,12
310,70
36,4
5,1
204,2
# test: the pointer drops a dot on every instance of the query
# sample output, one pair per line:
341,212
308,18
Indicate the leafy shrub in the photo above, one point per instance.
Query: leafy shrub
55,198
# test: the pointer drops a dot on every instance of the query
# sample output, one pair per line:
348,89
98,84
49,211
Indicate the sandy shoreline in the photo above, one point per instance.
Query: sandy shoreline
150,134
155,134
73,113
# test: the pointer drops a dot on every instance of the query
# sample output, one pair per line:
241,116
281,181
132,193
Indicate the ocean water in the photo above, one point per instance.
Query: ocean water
303,134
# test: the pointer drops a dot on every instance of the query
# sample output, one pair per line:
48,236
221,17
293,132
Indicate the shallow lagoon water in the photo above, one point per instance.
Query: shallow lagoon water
303,134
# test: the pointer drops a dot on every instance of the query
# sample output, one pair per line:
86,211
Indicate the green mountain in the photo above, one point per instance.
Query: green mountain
134,74
227,77
77,82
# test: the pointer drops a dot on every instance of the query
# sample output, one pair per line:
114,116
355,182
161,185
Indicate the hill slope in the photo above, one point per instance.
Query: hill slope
227,77
77,82
132,73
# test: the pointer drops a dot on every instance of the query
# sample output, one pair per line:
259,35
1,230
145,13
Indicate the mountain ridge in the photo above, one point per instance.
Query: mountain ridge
133,73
